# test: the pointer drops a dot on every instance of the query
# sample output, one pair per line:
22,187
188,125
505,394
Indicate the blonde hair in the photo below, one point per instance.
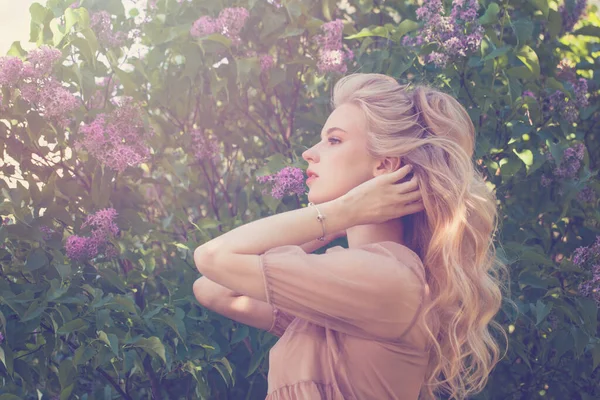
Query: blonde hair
453,235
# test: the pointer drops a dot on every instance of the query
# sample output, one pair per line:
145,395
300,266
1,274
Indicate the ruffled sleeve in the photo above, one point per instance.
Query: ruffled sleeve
281,320
361,291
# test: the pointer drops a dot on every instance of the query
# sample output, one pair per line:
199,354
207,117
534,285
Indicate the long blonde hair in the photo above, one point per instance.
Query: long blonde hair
453,235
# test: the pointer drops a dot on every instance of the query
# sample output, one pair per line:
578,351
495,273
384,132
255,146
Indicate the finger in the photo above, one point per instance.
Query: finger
414,208
409,186
412,196
400,173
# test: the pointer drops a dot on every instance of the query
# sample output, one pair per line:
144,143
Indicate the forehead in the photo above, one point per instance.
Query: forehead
348,117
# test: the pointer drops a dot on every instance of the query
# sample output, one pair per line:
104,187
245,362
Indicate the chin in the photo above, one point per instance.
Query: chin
318,199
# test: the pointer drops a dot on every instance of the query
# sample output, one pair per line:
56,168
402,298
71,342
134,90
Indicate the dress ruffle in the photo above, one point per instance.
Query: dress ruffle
306,390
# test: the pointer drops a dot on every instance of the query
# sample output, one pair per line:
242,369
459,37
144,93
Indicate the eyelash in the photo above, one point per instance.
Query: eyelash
338,140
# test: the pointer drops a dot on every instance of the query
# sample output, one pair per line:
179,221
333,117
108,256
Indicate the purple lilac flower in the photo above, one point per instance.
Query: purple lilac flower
332,57
288,181
589,258
47,231
545,181
571,162
203,26
1,337
117,139
528,93
571,12
229,23
559,102
101,23
587,195
11,69
205,149
456,35
103,228
266,62
37,86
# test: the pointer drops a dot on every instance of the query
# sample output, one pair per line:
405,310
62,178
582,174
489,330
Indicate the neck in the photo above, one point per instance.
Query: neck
360,235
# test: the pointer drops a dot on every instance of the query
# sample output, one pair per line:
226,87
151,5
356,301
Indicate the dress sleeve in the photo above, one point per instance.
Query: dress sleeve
281,320
361,291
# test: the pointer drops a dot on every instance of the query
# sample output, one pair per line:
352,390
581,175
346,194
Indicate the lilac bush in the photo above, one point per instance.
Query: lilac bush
332,57
104,227
456,35
288,181
117,139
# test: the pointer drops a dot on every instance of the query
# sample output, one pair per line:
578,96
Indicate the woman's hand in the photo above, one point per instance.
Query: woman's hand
381,198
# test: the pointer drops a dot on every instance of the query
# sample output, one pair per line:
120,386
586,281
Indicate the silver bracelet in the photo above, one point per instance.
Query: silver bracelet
321,218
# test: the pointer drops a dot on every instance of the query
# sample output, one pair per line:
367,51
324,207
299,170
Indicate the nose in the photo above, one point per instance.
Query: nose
309,155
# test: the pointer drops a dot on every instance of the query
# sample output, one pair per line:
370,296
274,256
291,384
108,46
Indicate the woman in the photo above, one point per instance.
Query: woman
405,311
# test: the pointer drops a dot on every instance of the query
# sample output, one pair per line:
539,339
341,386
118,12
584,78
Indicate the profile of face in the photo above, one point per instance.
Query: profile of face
340,158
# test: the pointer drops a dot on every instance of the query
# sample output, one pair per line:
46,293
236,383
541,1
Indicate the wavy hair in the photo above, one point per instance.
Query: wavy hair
453,235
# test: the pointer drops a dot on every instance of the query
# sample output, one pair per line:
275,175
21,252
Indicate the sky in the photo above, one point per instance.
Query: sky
14,23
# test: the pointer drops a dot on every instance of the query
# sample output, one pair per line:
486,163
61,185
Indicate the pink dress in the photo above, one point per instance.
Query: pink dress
349,323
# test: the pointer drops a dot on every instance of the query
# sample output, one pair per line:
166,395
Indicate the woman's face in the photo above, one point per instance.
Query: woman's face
340,158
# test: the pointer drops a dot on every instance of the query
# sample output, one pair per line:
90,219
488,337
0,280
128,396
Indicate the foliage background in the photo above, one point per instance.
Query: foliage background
126,325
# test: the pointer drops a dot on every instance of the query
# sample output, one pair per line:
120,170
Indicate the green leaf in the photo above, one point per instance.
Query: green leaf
404,27
596,356
36,308
38,13
529,57
83,354
541,5
72,326
152,346
521,72
554,24
255,361
224,367
380,31
16,50
491,14
111,340
66,373
240,333
523,29
500,51
8,396
36,260
589,30
541,311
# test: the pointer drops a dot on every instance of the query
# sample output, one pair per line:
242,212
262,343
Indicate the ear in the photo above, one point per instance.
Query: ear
387,165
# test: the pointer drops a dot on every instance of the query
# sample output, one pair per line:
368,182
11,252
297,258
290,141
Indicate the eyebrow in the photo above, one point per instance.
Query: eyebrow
334,128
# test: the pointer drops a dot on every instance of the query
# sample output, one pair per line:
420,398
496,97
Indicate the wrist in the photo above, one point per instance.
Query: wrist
337,216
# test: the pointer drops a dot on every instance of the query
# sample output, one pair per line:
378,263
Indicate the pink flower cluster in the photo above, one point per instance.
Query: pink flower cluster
456,35
229,23
205,149
589,258
568,169
117,139
36,85
266,62
101,23
571,12
47,231
288,181
332,57
103,229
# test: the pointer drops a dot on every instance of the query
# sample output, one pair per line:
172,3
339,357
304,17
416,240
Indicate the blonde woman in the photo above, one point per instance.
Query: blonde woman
405,311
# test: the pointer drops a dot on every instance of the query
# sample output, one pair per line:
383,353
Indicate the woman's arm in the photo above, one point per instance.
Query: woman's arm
295,227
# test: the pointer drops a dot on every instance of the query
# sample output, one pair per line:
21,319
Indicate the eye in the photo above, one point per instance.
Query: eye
336,139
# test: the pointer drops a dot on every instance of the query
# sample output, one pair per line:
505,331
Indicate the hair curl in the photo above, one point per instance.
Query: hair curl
453,235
